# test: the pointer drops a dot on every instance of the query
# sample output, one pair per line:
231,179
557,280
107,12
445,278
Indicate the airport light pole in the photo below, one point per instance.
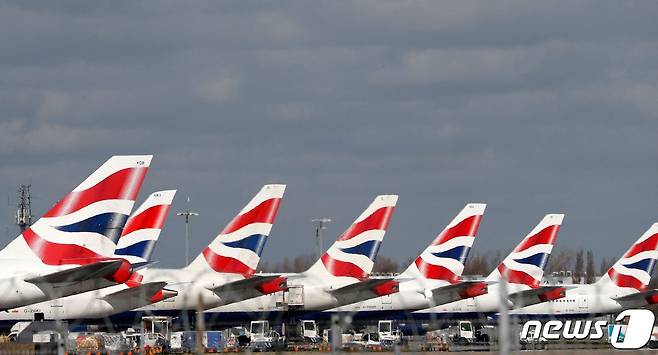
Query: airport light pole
187,214
321,224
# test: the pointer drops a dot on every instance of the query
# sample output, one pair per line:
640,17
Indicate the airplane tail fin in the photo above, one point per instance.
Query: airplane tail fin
635,268
353,254
85,225
238,247
526,263
143,228
444,259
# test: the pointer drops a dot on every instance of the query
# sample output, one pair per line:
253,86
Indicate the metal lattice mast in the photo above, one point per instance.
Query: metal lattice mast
24,211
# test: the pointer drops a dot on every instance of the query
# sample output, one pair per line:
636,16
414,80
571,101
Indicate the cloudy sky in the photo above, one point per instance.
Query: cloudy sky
532,107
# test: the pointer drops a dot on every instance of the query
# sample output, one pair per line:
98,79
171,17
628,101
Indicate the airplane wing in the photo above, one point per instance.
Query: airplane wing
536,295
365,290
458,291
254,286
638,299
101,272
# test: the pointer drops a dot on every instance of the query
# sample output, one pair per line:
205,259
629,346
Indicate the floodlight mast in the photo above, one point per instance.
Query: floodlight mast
187,214
321,224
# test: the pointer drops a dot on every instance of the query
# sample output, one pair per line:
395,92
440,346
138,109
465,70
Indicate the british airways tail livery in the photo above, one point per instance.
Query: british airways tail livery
225,271
136,245
522,269
444,259
434,277
144,227
624,286
525,265
85,225
633,271
75,238
353,254
341,274
238,247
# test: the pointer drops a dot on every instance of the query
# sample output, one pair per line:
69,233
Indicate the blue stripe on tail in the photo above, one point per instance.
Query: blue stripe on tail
539,259
646,265
143,249
254,242
459,253
108,224
369,249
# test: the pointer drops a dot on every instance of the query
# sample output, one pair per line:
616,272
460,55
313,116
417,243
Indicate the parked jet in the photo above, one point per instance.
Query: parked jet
136,245
625,285
522,271
435,276
338,278
69,249
225,271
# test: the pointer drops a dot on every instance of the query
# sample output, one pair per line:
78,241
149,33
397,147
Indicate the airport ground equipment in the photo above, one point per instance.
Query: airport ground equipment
263,338
301,335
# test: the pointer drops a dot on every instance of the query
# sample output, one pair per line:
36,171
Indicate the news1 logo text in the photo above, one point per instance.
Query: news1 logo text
632,329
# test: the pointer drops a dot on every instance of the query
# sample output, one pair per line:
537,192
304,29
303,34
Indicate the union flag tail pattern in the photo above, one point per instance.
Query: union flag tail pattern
526,263
143,228
353,254
444,259
635,268
237,249
85,225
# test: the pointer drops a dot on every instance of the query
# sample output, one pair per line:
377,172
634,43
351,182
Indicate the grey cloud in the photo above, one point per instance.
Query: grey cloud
531,107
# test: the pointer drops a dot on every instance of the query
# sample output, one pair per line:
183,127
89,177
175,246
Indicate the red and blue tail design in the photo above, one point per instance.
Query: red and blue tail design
444,259
86,224
635,268
237,249
353,254
143,228
526,263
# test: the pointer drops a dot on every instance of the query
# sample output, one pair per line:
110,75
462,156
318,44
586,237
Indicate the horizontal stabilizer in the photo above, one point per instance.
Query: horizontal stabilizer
639,299
365,290
458,291
104,269
143,291
251,287
536,295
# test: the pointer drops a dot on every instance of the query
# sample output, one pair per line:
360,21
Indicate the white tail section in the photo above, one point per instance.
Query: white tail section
238,247
353,254
444,259
633,270
144,227
526,263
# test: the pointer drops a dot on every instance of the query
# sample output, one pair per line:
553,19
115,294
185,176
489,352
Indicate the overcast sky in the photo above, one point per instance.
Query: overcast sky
531,107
